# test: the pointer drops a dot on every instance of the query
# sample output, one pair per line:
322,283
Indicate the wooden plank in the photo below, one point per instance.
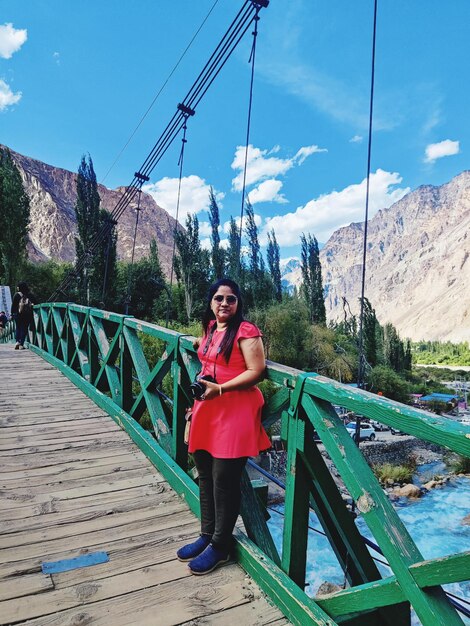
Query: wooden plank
93,511
152,538
63,471
192,601
25,585
16,500
30,459
125,559
97,499
44,550
26,537
61,488
295,534
255,613
96,440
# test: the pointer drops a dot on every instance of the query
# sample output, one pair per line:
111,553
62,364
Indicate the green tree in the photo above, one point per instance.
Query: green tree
14,220
104,290
370,331
195,266
383,379
273,257
217,253
147,285
393,348
312,285
232,256
285,327
255,260
46,277
89,220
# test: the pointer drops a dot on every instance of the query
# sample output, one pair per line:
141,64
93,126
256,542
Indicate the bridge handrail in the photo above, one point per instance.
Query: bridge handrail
103,353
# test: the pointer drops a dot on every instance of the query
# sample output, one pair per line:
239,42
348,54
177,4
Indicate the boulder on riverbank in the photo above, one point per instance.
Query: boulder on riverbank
408,491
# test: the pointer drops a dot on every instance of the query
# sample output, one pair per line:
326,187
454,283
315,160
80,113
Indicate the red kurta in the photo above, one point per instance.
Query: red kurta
229,426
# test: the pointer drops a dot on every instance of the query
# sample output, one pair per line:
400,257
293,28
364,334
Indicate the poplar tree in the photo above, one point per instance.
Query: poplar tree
87,211
273,257
217,254
194,266
312,285
232,255
255,260
14,220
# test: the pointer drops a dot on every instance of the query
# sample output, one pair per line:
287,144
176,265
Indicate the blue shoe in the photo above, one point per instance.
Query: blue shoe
208,560
192,550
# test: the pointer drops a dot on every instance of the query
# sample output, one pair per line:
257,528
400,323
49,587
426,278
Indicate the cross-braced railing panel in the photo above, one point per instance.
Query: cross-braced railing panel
107,356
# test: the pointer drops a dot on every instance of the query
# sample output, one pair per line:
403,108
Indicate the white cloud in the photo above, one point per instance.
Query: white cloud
11,40
205,229
258,221
206,243
193,199
56,57
261,166
7,97
356,139
267,191
443,148
328,212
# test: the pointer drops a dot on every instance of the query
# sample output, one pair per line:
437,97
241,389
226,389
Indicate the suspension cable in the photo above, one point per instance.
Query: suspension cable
217,61
175,67
248,127
131,266
180,164
361,369
361,363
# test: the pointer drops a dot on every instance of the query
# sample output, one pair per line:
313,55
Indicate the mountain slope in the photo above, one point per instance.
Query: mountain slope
418,265
52,193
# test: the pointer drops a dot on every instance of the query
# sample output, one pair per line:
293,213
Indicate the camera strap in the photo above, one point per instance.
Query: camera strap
208,345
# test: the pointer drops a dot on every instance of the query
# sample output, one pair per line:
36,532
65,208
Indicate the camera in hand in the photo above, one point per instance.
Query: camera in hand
198,389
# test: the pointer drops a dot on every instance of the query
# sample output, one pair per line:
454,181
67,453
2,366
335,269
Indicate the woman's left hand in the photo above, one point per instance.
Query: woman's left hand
212,390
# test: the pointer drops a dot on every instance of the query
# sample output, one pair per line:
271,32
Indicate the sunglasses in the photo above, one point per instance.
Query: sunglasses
228,299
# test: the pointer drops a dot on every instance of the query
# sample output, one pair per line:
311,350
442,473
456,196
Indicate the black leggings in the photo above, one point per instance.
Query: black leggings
219,495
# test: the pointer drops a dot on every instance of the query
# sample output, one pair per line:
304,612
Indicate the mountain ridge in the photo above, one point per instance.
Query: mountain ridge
52,193
418,257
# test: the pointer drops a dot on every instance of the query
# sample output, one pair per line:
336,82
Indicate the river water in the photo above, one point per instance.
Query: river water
434,522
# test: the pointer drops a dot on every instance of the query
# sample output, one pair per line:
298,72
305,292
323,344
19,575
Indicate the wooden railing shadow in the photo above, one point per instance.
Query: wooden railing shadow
107,356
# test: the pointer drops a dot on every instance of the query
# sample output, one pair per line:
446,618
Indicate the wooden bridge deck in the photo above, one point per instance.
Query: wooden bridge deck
73,483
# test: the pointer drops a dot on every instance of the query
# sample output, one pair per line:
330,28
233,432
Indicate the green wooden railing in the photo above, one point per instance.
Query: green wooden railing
7,334
103,354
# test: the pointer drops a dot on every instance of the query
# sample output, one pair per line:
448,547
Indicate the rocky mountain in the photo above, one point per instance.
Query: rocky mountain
417,268
52,192
418,265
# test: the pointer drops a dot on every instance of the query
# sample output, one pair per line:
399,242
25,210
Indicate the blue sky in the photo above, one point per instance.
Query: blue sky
77,77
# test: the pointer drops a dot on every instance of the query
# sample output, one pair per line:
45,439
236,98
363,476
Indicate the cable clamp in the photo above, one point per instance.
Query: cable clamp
185,109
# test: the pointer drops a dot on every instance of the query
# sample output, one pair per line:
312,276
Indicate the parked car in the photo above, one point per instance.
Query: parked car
378,426
394,431
366,431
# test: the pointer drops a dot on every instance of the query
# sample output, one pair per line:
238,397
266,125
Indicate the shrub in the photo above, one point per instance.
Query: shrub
388,473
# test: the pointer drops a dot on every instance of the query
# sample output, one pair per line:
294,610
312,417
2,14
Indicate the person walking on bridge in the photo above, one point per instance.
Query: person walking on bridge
22,313
226,421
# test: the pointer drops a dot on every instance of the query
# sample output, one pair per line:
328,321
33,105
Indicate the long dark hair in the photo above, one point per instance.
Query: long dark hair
233,324
23,288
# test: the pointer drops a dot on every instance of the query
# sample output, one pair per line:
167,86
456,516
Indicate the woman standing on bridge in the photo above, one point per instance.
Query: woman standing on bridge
226,422
22,313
